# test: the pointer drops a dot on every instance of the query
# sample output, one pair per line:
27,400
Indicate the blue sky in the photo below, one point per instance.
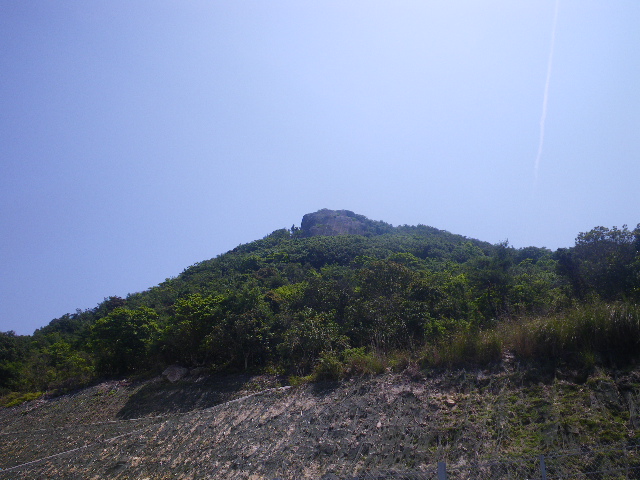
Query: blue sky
137,138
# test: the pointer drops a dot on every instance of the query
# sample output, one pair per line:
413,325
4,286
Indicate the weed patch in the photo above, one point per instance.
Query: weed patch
16,398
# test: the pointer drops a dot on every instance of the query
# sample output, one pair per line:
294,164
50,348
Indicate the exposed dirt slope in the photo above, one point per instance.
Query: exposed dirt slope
243,427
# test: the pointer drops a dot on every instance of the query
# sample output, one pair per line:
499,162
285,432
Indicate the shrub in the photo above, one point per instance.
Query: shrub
329,367
399,361
350,362
358,362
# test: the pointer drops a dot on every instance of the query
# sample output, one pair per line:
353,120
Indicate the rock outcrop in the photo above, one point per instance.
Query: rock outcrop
340,222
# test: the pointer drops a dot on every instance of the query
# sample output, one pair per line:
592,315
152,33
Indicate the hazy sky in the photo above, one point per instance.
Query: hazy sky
138,138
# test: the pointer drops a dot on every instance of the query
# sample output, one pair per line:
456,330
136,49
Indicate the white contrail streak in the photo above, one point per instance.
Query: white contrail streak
546,92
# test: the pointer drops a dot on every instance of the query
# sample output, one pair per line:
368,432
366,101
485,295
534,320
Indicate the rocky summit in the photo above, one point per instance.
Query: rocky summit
340,222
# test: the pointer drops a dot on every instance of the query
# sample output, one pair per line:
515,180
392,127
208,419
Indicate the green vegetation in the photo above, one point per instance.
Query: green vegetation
16,398
333,306
583,336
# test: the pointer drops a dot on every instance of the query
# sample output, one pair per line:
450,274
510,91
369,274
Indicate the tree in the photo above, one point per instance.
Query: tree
13,351
242,340
380,314
59,365
121,340
489,276
195,318
309,334
606,261
536,287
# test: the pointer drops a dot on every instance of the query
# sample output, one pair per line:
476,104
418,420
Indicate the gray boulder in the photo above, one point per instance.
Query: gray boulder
175,373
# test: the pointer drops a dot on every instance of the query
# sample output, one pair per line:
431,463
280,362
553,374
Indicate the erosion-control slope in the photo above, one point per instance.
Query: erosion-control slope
243,427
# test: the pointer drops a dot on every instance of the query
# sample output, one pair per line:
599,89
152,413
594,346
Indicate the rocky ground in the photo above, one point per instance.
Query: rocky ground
254,427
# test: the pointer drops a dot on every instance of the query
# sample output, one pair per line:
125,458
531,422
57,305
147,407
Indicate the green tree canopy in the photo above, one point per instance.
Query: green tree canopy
121,340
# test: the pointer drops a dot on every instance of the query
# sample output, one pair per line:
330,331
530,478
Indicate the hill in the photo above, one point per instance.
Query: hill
242,310
346,345
344,296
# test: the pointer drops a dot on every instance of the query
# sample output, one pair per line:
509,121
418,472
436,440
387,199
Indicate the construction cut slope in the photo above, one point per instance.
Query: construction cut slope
251,427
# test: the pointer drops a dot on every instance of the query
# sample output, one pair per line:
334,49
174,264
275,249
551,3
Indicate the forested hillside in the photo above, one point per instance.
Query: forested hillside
344,295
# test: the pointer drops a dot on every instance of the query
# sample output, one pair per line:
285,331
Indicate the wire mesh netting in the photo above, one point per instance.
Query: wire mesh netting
612,463
285,434
609,463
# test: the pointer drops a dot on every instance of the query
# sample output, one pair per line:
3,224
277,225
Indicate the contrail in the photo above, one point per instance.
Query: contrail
546,92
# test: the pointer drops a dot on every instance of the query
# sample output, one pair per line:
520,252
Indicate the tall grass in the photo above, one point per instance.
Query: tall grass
608,333
596,333
469,346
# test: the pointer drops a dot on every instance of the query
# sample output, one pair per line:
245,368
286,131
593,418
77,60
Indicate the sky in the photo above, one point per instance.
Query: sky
138,138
